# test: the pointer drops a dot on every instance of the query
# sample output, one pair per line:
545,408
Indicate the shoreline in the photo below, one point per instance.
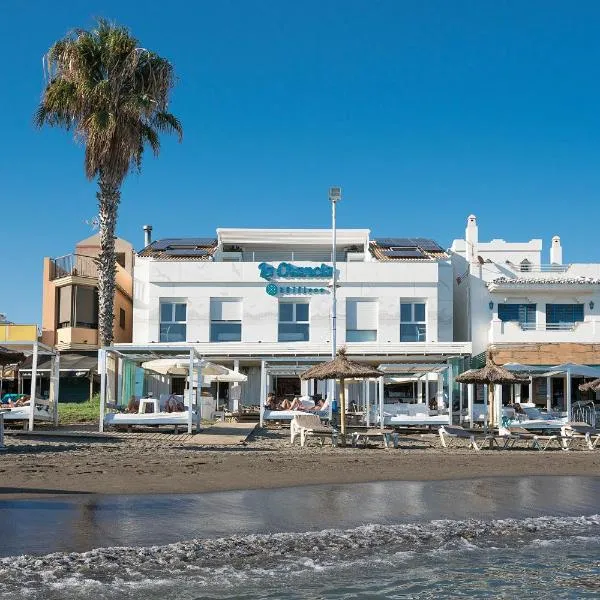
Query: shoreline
41,469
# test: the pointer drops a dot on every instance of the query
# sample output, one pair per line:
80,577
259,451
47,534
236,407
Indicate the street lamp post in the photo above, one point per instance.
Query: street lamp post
335,195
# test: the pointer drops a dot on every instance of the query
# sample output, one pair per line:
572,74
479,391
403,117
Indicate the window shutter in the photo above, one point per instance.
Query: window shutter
361,315
85,305
225,309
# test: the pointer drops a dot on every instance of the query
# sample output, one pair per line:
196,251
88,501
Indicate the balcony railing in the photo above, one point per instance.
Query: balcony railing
548,326
75,265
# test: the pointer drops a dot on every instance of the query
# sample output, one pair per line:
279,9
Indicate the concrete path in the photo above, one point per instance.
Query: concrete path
220,434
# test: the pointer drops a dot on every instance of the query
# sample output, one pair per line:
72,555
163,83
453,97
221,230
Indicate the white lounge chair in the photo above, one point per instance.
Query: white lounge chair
457,432
574,431
538,442
305,425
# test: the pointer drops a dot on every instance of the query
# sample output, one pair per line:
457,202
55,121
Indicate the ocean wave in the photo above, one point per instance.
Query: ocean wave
234,558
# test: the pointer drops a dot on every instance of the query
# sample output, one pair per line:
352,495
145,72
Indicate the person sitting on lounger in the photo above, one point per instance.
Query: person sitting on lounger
133,406
271,403
174,404
319,405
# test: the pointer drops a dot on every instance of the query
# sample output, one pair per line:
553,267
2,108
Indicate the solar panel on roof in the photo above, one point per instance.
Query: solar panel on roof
428,245
390,242
174,242
404,253
186,252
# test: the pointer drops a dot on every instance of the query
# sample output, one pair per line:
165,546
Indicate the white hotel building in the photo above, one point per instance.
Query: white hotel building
260,299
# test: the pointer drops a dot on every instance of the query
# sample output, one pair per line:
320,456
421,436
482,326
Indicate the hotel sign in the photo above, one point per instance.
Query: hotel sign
287,270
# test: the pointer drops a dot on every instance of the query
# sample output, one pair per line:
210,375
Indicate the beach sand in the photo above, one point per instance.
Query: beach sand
136,466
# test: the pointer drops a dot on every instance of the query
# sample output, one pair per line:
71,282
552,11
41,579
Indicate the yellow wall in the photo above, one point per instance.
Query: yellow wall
18,333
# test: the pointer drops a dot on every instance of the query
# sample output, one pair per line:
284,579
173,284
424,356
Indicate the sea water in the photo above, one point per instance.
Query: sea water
496,537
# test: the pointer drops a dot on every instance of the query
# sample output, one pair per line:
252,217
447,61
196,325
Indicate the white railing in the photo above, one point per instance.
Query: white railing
318,256
548,326
541,268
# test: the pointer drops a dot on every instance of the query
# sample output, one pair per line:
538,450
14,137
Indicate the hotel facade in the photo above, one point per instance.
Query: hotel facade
260,301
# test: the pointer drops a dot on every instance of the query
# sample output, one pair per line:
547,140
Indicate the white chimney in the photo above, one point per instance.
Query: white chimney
472,238
556,251
147,235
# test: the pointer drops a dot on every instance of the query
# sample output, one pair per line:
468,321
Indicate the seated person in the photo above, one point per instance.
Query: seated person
271,403
174,404
133,405
518,408
320,404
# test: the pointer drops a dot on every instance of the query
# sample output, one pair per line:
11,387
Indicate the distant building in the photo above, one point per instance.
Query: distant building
526,308
70,309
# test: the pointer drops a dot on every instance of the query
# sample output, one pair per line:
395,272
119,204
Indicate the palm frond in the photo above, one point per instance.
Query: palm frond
112,93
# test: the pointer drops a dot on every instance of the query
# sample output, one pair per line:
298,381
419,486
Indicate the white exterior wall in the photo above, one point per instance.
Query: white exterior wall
197,282
475,321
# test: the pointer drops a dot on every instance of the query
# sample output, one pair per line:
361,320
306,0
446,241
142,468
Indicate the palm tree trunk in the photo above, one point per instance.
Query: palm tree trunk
108,202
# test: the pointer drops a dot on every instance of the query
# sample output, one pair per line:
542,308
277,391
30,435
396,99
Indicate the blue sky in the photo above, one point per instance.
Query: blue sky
423,111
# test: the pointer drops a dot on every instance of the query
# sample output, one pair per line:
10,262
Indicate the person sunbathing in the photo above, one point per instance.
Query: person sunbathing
174,404
133,406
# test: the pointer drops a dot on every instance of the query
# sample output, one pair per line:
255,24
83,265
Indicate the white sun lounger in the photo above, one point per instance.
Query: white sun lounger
538,442
305,425
574,431
448,432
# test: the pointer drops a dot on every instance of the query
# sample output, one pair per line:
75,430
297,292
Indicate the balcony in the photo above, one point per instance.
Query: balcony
73,265
512,332
76,338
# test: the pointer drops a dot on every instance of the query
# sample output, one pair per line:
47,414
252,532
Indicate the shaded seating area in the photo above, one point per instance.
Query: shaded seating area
27,409
136,386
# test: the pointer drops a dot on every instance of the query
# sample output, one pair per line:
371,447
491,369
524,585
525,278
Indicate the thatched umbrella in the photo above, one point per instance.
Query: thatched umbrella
590,386
492,374
341,367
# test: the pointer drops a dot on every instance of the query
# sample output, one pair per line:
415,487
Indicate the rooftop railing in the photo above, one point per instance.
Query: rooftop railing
76,265
525,268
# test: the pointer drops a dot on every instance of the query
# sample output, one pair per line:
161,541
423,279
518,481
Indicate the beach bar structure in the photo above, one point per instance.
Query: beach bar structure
39,408
119,367
547,375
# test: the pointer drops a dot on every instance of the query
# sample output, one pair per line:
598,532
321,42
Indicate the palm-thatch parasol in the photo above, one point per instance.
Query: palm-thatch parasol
492,374
590,386
341,367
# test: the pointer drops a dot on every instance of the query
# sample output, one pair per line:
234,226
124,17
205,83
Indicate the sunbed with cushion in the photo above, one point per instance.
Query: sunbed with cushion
449,432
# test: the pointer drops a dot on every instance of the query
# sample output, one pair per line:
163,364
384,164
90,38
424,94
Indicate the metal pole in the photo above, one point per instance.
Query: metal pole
335,194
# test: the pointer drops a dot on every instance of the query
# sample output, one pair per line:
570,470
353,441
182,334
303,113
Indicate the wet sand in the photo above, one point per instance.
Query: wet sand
30,468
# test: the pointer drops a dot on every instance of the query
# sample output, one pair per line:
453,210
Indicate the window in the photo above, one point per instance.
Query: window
77,306
173,316
525,266
225,320
293,322
518,313
361,320
413,326
563,315
122,318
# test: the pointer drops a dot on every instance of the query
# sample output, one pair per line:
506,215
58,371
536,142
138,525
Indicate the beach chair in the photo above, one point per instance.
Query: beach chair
310,426
575,431
449,432
537,441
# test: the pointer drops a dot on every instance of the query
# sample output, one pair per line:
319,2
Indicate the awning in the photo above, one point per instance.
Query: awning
73,363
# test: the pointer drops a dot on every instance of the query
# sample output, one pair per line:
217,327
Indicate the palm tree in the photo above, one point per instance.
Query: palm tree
114,96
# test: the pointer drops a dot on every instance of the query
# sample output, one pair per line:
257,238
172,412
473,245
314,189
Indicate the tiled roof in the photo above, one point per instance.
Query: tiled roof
194,249
406,250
